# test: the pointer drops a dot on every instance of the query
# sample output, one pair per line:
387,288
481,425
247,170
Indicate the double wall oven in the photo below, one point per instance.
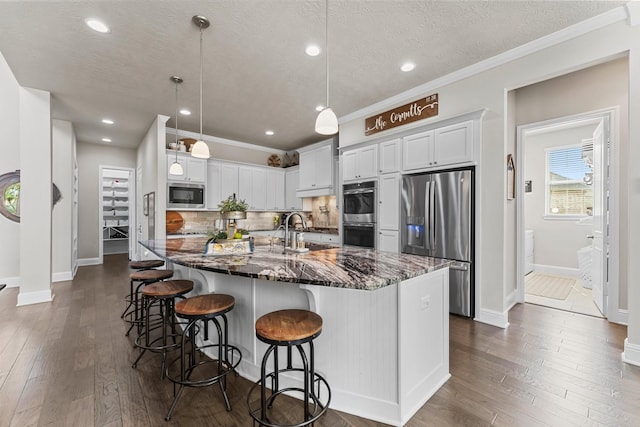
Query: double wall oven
359,214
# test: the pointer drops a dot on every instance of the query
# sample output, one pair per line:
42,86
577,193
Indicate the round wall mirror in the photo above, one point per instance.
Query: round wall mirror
10,195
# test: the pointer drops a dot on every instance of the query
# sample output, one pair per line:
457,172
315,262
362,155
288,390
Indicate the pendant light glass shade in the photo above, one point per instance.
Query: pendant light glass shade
327,122
200,149
176,168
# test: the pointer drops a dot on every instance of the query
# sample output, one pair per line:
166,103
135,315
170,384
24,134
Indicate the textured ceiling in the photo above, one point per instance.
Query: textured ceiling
256,74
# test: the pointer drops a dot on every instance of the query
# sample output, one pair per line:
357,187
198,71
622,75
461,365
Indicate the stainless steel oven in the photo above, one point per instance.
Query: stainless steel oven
359,214
185,196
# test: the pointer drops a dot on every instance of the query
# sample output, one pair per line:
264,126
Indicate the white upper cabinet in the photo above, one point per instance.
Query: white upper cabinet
316,170
252,187
214,194
390,160
454,144
228,181
448,145
361,163
275,189
417,150
292,178
196,170
193,170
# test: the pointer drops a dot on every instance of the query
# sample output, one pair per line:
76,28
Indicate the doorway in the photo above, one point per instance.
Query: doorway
116,210
566,217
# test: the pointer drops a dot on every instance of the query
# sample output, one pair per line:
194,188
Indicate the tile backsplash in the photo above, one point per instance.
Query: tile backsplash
324,214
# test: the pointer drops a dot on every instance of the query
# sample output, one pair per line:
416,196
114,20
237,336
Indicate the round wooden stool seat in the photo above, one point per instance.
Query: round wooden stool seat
292,329
167,289
149,275
288,327
145,264
205,305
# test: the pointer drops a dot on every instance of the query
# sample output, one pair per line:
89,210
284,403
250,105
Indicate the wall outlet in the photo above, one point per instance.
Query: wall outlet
424,302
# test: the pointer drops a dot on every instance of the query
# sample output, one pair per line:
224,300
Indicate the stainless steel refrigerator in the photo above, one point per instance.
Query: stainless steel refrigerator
437,220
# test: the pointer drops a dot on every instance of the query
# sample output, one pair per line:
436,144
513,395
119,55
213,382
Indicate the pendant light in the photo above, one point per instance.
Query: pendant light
200,149
176,168
327,122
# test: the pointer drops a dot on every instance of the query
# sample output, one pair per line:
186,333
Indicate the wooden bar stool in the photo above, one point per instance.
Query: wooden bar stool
147,264
163,294
144,277
194,366
289,328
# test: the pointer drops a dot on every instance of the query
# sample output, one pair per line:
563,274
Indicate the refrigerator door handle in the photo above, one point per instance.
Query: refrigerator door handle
427,213
459,266
432,215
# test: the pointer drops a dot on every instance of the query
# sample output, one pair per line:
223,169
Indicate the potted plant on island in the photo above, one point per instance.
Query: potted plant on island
232,208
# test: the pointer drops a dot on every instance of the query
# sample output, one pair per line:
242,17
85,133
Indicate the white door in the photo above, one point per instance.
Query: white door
599,253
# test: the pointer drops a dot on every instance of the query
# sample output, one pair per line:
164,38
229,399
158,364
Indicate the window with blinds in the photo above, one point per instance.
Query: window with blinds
568,183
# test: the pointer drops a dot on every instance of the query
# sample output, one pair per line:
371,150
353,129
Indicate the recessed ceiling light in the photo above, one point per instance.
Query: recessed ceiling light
96,25
106,139
107,121
269,132
320,108
312,50
185,112
408,66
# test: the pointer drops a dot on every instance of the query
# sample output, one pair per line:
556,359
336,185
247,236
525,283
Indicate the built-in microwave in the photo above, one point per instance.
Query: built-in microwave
185,196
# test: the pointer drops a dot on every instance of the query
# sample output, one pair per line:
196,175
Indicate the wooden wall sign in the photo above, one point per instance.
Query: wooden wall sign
420,109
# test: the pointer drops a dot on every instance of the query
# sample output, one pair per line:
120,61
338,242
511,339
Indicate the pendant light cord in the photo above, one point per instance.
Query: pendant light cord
326,45
201,82
176,114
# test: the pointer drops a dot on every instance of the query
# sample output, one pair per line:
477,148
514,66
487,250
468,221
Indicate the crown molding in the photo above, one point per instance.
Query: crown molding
217,140
618,14
633,10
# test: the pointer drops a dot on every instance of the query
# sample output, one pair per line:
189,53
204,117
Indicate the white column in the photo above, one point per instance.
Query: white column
632,343
35,197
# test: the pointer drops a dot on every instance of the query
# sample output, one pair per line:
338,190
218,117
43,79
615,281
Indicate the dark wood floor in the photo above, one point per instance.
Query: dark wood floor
68,363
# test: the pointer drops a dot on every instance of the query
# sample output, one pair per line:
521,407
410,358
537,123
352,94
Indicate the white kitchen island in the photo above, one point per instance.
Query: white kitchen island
384,346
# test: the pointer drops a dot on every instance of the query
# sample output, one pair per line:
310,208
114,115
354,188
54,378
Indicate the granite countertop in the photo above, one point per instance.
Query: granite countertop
344,267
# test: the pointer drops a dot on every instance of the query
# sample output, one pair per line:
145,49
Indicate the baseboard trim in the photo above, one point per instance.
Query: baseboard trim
493,318
11,282
560,271
37,297
631,353
512,299
88,261
63,276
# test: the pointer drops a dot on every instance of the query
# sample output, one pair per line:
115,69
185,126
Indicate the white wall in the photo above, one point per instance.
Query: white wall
35,197
465,92
602,86
152,160
556,240
9,162
63,142
90,157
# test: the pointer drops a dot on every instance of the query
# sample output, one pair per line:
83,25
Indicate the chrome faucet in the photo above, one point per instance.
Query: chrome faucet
286,227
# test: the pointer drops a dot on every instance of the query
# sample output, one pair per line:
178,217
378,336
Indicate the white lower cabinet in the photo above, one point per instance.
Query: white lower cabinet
388,241
389,212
